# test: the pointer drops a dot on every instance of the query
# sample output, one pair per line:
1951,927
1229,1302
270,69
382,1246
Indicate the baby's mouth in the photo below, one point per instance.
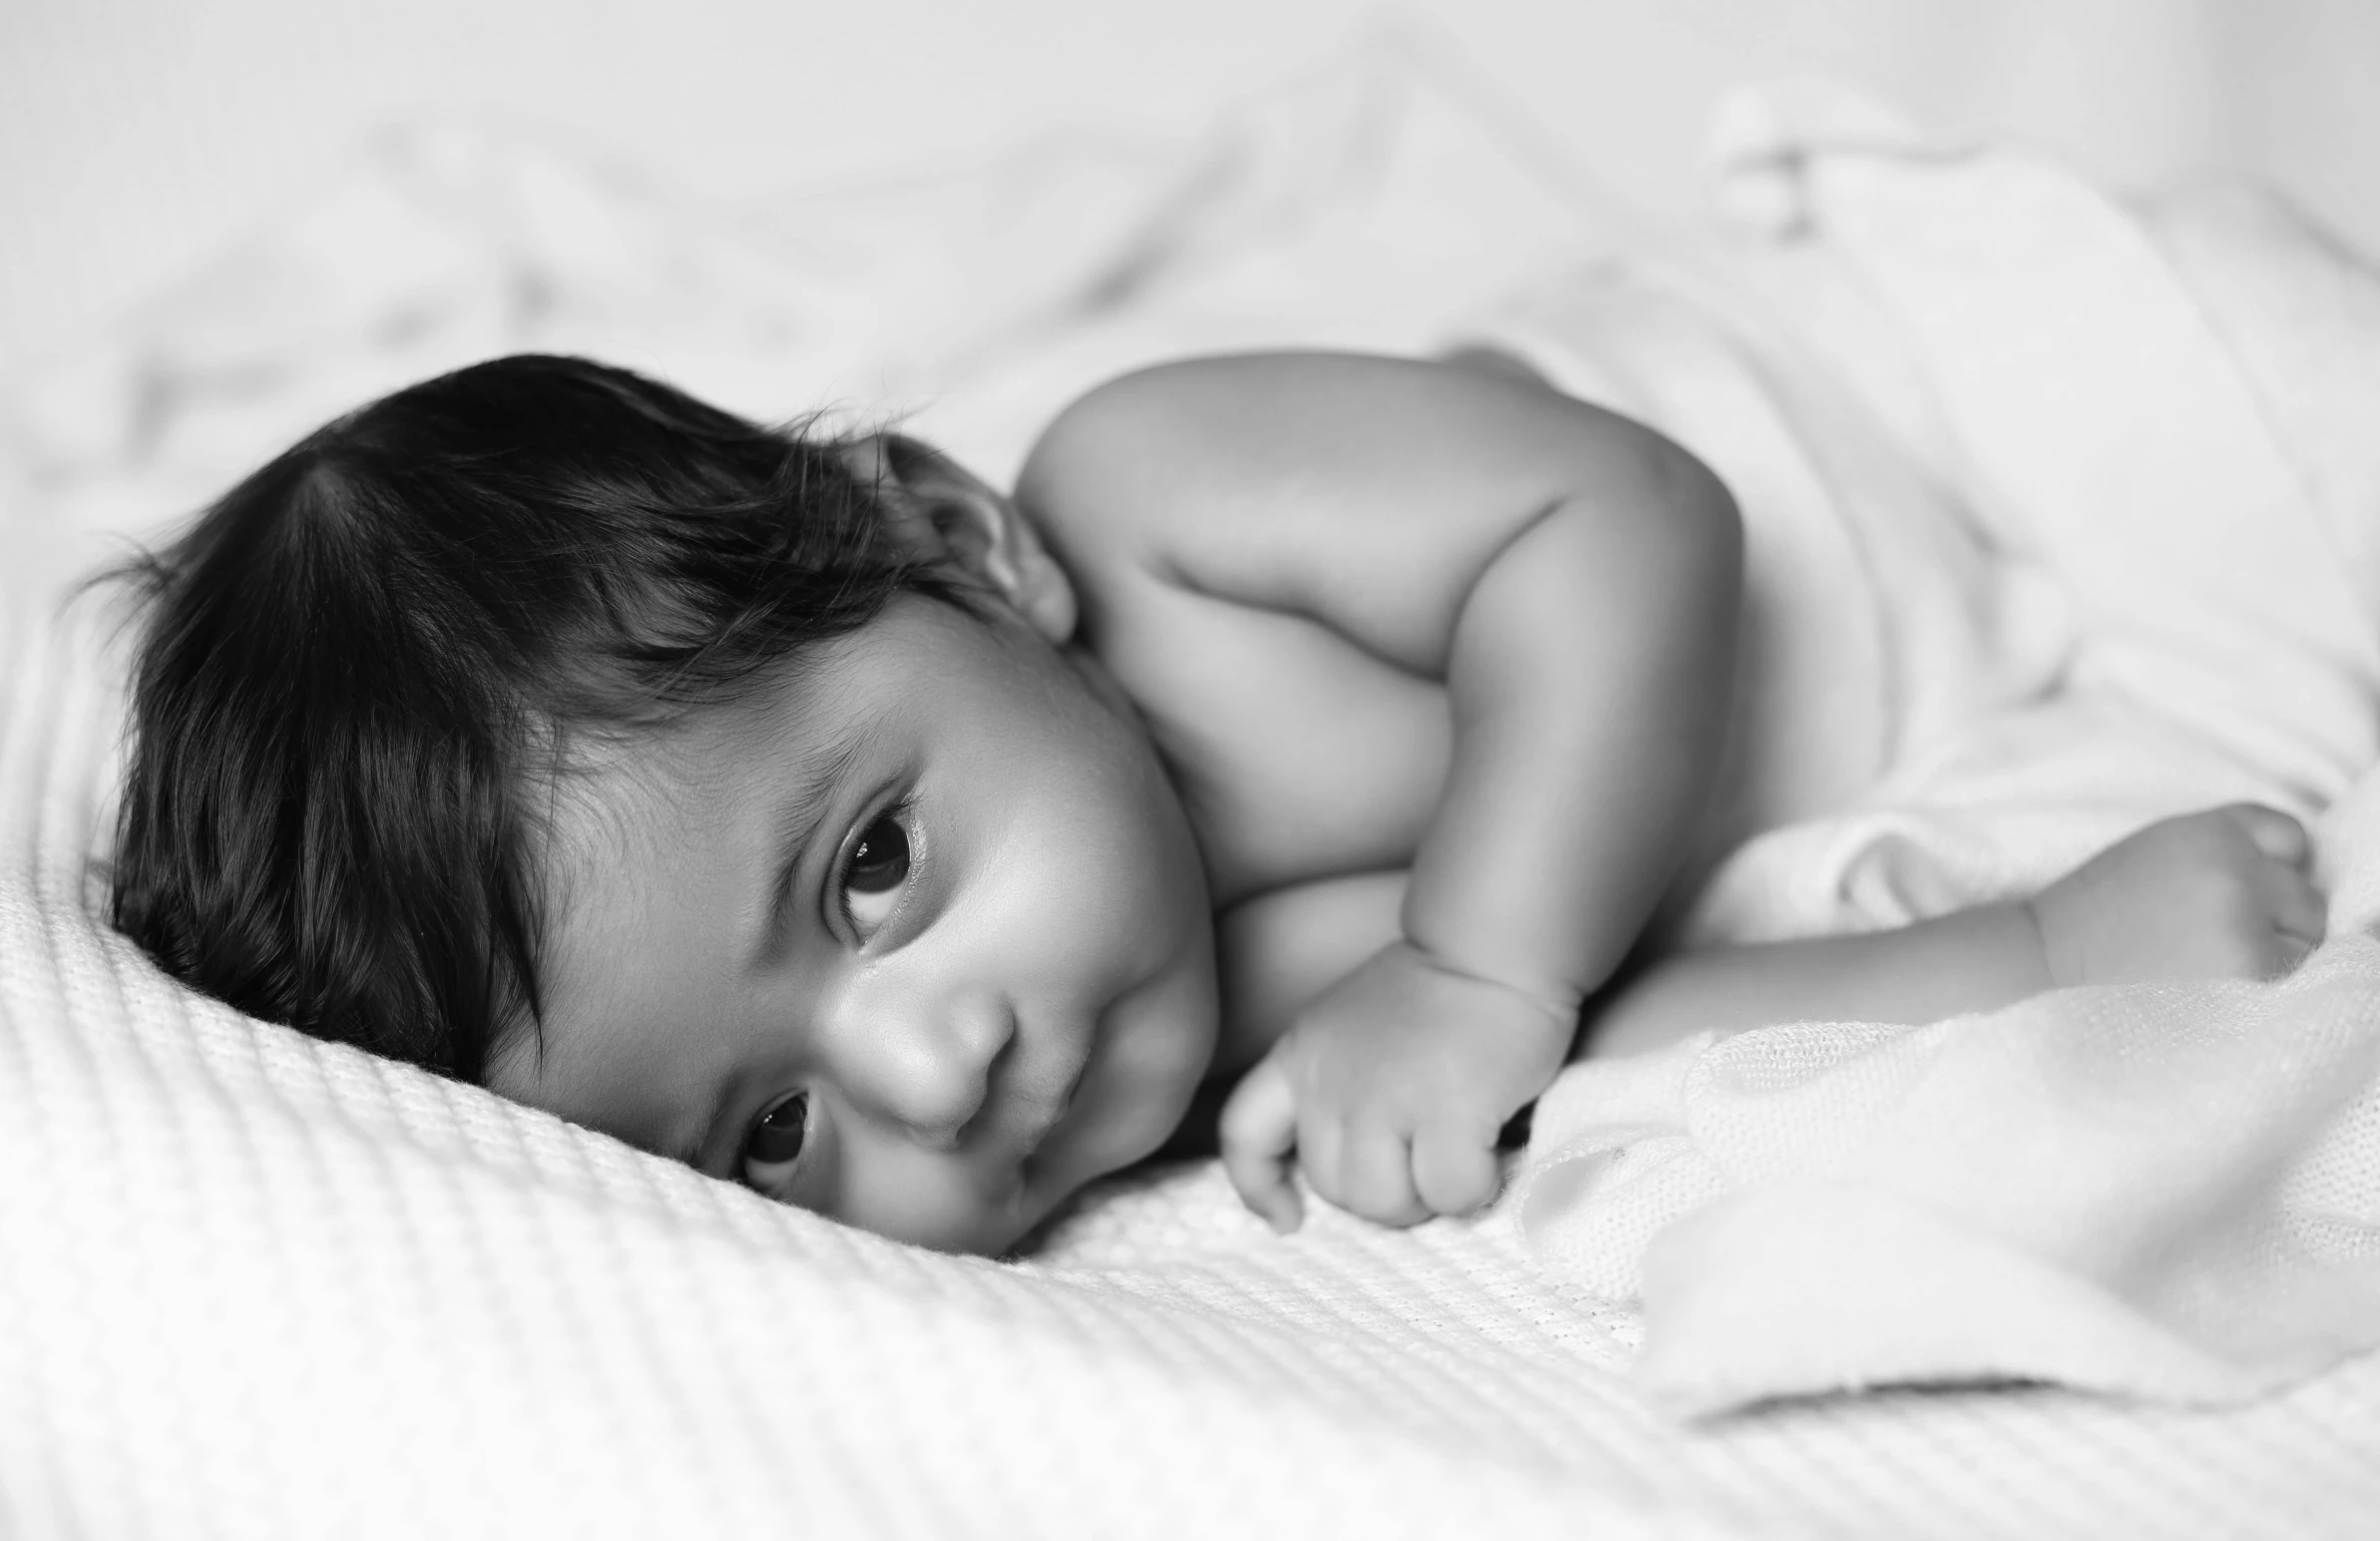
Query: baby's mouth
1049,1117
1065,1103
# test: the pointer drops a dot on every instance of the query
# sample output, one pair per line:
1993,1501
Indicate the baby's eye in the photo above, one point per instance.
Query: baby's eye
776,1140
873,876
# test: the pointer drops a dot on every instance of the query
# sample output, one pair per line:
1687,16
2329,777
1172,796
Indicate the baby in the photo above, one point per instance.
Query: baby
1338,733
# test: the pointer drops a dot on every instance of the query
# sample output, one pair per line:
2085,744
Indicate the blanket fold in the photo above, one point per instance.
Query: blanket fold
2117,582
2164,1190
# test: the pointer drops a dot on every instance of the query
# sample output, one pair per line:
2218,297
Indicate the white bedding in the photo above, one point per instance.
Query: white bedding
2034,557
254,1285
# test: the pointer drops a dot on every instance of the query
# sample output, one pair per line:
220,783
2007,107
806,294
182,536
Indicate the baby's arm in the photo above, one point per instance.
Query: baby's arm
1588,719
1572,580
2222,893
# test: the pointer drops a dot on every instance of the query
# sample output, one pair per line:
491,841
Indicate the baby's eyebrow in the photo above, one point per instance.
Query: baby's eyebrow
800,809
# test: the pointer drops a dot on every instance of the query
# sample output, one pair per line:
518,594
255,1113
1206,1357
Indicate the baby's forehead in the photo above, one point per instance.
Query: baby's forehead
747,771
620,795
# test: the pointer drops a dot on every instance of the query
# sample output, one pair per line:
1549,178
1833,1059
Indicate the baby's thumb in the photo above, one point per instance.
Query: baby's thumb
1259,1132
2277,835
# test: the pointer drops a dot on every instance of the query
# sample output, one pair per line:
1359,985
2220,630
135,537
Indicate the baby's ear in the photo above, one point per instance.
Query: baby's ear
946,514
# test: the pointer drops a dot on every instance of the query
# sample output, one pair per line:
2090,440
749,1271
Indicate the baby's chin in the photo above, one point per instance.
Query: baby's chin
1117,1130
1153,1049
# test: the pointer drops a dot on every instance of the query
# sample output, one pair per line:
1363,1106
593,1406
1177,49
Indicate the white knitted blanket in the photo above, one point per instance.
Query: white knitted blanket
255,1286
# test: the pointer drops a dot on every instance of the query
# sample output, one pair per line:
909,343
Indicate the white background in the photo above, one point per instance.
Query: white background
139,137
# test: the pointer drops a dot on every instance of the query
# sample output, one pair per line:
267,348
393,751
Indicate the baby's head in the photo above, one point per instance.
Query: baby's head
742,796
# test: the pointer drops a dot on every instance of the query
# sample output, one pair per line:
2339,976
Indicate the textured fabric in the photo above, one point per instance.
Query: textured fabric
255,1286
2163,1192
2166,1191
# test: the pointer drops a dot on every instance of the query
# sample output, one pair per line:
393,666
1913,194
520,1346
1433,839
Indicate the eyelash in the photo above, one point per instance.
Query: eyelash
898,815
744,1161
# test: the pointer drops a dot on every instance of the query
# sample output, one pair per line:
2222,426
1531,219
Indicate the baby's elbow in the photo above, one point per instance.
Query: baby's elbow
1695,527
1706,510
1694,579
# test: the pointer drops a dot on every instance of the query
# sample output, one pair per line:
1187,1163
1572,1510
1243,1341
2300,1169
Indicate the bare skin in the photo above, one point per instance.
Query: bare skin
1331,730
1399,618
1319,578
2222,893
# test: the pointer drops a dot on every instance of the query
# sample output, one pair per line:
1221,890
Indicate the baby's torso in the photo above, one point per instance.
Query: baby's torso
1310,769
1279,590
1299,756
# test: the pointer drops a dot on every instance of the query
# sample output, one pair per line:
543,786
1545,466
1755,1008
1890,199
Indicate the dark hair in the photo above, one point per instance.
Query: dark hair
363,664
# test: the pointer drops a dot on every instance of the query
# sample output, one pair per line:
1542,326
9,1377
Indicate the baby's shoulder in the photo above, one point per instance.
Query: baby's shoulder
1155,458
1272,553
1365,492
1474,440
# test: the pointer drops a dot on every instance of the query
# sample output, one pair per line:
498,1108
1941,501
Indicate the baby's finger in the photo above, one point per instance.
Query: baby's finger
1454,1172
2277,835
1320,1155
1258,1130
2299,911
1376,1176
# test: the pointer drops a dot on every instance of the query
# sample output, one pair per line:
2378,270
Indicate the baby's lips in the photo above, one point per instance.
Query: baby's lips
1045,1119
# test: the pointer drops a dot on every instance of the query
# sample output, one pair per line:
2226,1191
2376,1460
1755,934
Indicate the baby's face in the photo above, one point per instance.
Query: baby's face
919,939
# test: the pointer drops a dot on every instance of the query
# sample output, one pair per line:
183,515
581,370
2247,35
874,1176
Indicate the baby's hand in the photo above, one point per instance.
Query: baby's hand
1389,1091
2218,894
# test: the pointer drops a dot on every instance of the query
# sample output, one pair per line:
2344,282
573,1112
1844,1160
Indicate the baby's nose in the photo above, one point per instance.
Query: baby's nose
925,1062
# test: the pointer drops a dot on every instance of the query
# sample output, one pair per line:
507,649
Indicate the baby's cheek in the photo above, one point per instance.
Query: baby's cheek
900,1190
1161,1047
